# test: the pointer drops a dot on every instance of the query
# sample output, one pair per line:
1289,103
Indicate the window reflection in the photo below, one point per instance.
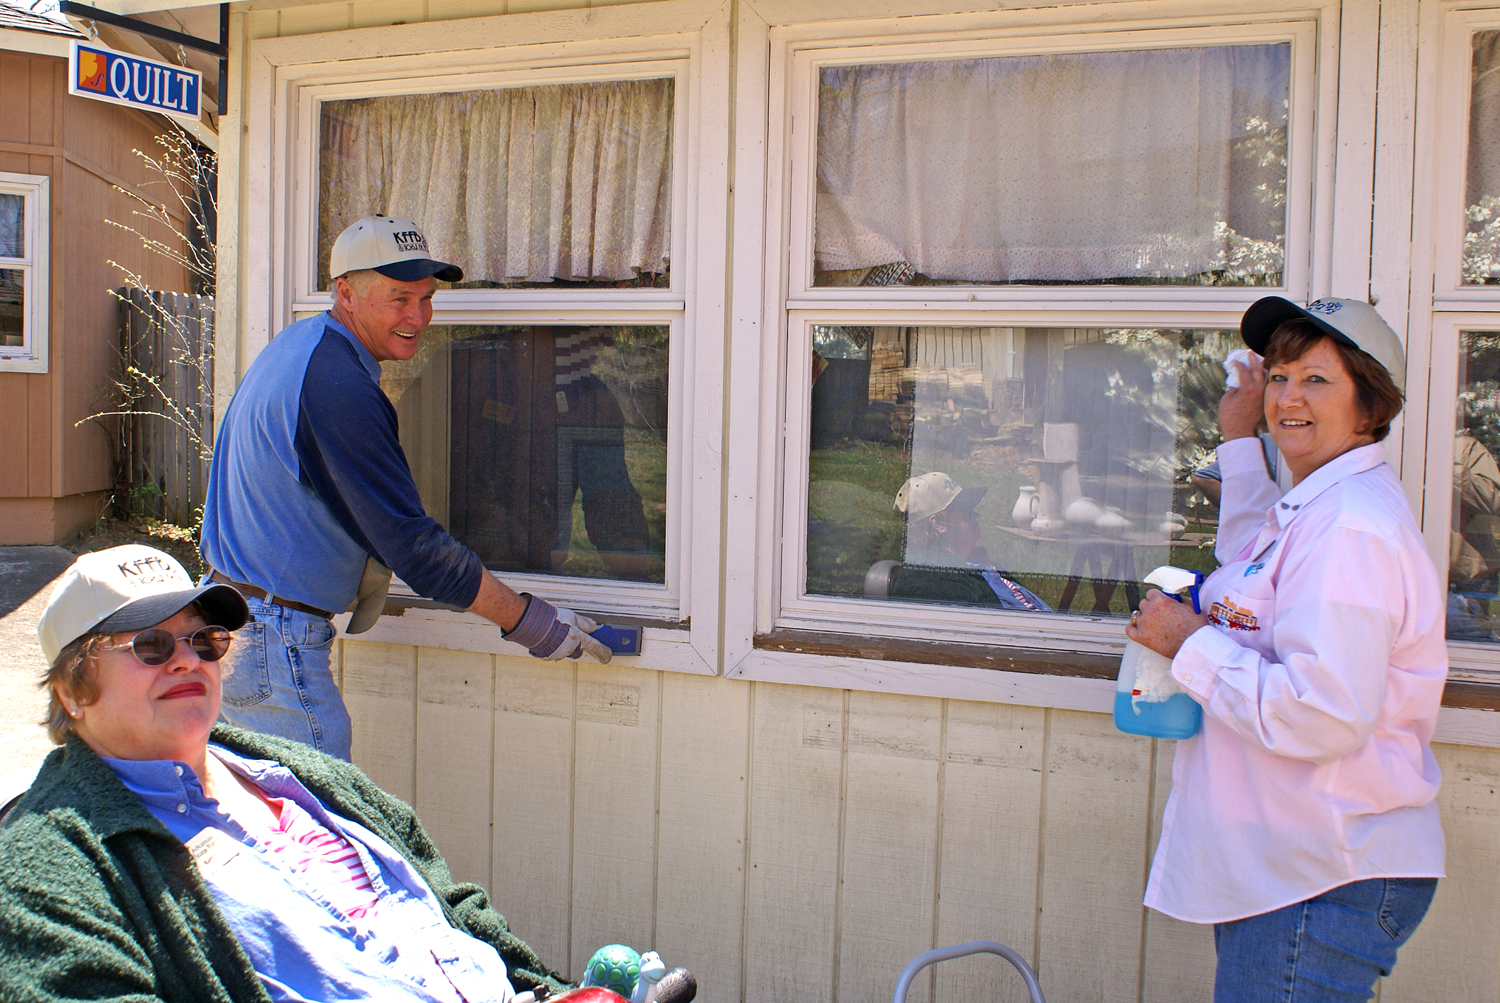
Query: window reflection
1164,166
12,308
544,448
1473,552
1009,466
1481,253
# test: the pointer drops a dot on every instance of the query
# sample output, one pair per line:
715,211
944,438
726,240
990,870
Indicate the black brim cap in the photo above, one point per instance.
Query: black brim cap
969,497
1349,322
416,269
222,605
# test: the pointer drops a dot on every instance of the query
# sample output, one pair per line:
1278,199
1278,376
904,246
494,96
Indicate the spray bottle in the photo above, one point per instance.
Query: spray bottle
1148,701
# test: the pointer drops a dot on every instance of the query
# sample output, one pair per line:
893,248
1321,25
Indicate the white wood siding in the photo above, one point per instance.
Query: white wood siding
800,843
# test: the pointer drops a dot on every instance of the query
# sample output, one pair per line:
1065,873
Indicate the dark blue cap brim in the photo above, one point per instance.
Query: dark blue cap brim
1267,314
417,269
223,606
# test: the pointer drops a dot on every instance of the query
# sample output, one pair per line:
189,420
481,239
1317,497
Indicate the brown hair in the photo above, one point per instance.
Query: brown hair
1375,392
70,672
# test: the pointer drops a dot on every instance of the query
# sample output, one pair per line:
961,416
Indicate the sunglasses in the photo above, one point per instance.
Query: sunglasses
154,646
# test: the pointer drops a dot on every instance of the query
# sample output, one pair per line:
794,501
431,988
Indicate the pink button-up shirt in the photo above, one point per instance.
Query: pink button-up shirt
1320,675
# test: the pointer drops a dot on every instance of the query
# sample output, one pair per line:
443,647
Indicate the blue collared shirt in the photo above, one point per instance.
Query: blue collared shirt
299,944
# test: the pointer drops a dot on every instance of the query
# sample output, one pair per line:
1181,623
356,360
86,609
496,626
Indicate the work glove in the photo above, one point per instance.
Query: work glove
551,632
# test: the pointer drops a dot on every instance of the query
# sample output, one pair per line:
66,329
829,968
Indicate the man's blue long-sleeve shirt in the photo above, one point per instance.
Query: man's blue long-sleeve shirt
309,478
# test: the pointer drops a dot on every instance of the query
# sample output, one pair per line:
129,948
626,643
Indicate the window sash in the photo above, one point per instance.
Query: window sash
30,354
802,100
792,607
310,97
1450,162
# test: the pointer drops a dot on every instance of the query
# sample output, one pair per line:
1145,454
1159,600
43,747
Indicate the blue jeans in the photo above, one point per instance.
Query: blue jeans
1329,949
280,681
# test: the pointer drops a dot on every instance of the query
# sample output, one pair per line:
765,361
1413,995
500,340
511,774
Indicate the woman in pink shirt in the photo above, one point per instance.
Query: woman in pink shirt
1302,822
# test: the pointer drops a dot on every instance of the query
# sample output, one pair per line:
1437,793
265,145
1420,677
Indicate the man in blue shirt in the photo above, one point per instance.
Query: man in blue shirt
311,503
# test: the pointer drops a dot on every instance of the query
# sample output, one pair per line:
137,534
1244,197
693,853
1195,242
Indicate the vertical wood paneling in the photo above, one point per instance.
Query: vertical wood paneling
380,690
1455,954
455,701
614,809
1179,956
992,789
15,418
1094,834
705,743
373,13
531,874
792,889
890,843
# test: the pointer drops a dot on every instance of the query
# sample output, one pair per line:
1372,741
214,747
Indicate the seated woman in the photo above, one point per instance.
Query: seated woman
148,863
945,561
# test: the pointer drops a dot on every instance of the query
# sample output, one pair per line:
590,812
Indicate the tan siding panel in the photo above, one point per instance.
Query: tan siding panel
39,435
790,916
705,745
447,10
614,820
1457,947
380,690
455,754
307,20
1097,813
372,13
1179,956
992,786
890,843
531,873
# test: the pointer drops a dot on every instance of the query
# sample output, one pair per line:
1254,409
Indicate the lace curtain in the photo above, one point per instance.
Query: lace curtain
1056,168
526,184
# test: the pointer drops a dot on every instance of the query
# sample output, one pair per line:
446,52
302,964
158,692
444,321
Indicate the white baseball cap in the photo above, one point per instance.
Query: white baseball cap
393,247
1350,322
128,588
928,494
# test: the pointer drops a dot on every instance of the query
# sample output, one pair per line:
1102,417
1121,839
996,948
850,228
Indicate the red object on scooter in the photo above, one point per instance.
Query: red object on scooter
588,994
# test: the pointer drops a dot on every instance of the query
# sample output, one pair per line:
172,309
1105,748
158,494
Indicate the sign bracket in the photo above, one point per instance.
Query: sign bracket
139,27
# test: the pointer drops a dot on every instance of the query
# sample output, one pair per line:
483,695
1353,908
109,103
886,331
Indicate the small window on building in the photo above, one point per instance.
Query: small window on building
23,255
544,448
1481,249
1149,167
1025,468
566,185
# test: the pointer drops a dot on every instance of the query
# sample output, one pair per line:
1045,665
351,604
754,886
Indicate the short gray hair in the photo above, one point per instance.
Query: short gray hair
361,279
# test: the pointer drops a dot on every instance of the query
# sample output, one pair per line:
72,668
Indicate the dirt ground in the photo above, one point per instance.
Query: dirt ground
27,575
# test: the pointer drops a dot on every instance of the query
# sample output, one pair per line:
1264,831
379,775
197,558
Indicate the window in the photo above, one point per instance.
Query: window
23,273
1474,543
542,416
1481,241
544,447
1015,271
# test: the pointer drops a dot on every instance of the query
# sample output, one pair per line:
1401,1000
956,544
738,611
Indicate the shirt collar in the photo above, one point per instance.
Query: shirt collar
1355,461
366,359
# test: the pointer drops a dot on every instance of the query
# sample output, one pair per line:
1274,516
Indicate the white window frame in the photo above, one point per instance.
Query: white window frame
1454,59
689,42
1441,305
791,305
31,355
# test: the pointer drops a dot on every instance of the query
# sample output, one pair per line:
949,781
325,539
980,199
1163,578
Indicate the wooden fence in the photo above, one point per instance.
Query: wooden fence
167,342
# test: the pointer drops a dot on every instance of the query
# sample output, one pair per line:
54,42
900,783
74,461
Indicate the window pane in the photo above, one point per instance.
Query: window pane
12,308
1473,548
12,226
1481,258
561,185
1158,166
542,448
1052,464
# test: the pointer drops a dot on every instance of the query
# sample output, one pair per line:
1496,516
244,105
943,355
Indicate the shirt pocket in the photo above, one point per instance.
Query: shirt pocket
1244,615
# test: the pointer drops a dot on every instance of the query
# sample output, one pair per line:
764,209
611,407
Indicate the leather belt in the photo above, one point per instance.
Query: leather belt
264,596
